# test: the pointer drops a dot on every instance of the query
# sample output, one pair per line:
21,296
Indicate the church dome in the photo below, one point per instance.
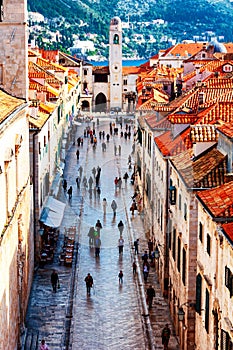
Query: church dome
115,21
217,47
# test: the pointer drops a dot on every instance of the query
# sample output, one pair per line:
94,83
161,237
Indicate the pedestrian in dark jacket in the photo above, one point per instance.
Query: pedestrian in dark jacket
121,227
150,295
89,283
70,191
166,333
54,280
120,276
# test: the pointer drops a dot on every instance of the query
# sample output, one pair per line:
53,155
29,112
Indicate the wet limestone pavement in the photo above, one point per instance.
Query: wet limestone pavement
113,315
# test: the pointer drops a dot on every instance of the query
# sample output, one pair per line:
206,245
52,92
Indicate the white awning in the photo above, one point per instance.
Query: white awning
52,213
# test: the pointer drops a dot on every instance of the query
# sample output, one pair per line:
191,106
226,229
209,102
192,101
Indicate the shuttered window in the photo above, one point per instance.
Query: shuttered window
226,342
174,244
200,231
229,280
184,267
207,310
198,293
178,254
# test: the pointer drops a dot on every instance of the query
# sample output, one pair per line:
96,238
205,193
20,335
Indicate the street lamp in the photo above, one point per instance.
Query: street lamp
157,254
181,313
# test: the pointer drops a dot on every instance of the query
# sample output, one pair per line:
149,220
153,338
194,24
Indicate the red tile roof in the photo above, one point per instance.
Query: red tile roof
218,201
228,229
203,171
226,129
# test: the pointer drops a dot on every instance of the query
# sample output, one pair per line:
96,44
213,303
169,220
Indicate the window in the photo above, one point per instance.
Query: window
1,10
180,202
44,141
169,233
125,82
185,211
184,267
229,280
178,254
200,231
174,244
172,195
207,310
85,72
39,148
198,293
208,244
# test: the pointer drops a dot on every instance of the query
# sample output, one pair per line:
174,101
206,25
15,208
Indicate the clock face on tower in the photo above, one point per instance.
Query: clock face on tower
115,67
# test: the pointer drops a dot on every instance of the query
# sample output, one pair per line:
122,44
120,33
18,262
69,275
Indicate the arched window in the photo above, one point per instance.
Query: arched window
116,39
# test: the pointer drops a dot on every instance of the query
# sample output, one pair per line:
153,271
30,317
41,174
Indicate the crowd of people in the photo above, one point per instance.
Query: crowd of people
92,183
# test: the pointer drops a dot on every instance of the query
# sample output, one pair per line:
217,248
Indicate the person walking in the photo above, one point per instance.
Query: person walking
98,226
121,244
136,244
119,183
116,182
150,246
54,280
104,205
80,171
150,295
114,207
89,283
90,182
145,272
134,267
70,191
126,176
120,227
115,150
77,154
133,207
64,185
97,246
91,235
43,345
120,277
78,181
119,150
166,333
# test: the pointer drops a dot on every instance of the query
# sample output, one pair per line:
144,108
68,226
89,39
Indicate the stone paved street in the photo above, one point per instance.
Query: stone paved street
115,315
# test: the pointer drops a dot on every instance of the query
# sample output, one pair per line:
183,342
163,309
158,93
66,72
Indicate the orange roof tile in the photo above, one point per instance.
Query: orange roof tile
8,104
228,230
203,171
218,201
226,129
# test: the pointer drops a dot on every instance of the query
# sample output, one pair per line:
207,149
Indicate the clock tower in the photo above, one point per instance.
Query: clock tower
115,63
14,47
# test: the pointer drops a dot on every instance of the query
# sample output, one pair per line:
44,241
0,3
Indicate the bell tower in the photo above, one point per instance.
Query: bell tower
115,63
14,47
